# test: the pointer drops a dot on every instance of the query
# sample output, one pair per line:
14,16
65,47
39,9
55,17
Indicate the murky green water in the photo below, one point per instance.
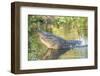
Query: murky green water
71,53
75,53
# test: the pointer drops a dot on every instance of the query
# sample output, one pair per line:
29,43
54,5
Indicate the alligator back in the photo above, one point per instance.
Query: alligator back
55,42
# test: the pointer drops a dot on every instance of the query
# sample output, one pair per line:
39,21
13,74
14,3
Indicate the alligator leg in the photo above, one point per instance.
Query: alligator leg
47,54
51,54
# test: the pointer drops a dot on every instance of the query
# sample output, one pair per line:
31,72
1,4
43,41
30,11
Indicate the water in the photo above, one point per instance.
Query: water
69,53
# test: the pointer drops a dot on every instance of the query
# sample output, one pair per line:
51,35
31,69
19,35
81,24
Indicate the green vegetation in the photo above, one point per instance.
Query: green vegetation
67,27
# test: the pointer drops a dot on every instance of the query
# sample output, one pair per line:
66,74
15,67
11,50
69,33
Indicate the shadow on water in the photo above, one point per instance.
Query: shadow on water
69,53
54,54
76,52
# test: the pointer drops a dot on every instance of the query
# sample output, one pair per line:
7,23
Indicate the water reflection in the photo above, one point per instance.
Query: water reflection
75,52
